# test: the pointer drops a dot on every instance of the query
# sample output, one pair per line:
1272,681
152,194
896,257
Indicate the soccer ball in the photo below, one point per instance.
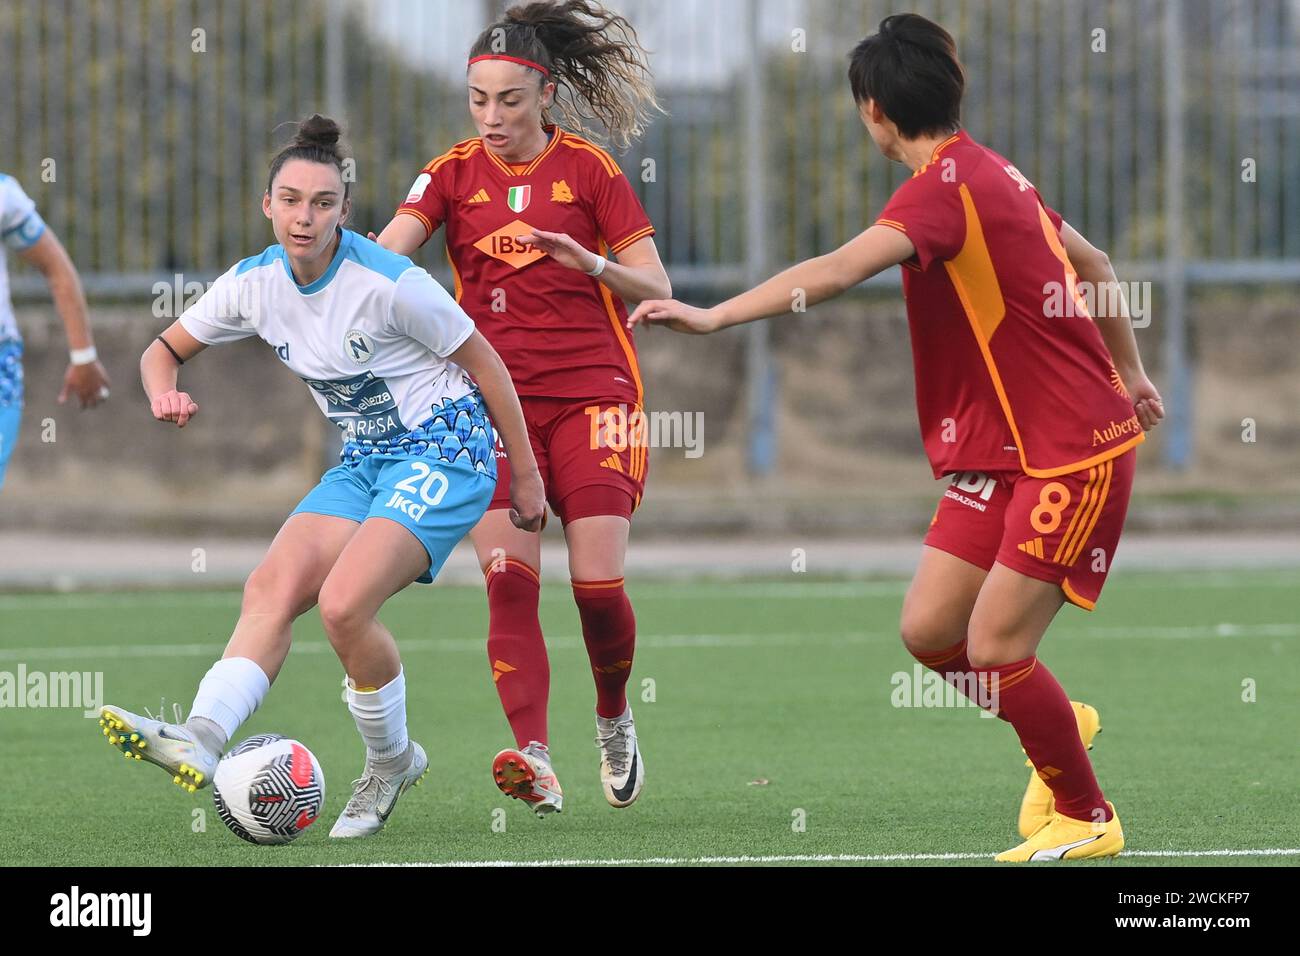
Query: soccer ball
268,789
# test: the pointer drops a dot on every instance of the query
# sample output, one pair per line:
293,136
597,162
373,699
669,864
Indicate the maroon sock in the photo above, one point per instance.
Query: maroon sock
953,665
1029,696
609,631
516,649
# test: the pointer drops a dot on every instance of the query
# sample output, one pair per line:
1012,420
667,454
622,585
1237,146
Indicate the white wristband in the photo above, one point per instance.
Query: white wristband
83,356
601,261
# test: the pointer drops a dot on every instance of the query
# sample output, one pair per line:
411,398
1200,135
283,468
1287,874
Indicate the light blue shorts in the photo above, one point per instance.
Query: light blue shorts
11,400
438,488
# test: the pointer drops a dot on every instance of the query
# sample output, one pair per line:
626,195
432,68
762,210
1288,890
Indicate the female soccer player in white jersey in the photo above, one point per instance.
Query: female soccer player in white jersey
385,352
23,231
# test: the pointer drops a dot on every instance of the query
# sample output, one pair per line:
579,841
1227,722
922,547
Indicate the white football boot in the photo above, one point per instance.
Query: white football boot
527,775
622,771
374,795
170,746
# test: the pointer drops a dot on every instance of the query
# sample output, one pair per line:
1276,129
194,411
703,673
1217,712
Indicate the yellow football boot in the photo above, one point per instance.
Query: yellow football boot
1037,807
1064,838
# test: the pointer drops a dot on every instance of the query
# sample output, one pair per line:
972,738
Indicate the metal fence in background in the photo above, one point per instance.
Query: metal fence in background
1167,131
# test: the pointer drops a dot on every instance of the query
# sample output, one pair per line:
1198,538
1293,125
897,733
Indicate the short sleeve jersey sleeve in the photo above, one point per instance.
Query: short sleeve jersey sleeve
928,210
1052,214
218,316
620,216
423,310
20,224
427,197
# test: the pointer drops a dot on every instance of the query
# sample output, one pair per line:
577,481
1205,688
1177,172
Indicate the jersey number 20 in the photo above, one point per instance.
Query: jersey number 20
429,476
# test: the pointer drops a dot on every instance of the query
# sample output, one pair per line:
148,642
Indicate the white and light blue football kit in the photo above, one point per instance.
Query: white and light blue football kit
370,338
20,227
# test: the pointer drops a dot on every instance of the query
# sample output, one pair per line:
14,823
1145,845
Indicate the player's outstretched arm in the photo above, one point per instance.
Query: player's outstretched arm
527,496
638,275
806,284
403,235
159,367
86,379
1092,265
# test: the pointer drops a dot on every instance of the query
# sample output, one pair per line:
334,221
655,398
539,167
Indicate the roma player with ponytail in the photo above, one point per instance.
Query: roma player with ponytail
534,213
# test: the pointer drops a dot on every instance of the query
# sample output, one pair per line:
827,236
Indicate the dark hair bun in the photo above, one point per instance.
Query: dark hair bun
319,131
316,140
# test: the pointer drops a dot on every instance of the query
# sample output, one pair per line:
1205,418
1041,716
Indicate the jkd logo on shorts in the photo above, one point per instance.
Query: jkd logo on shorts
431,491
406,506
974,483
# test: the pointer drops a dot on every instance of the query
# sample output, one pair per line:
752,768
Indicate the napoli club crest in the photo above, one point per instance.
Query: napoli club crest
358,346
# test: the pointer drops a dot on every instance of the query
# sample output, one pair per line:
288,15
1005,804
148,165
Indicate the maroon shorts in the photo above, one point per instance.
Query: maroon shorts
592,455
1063,529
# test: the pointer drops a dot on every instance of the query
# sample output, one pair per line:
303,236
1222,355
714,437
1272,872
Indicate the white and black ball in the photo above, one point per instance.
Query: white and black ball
269,789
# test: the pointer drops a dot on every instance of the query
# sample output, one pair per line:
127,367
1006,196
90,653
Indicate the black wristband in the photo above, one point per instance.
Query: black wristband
167,346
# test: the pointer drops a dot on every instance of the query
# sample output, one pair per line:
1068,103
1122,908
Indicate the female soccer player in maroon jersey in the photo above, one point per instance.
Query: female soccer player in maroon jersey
1031,404
532,211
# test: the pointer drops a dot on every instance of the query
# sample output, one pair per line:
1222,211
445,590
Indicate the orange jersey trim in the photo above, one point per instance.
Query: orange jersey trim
934,154
1082,513
1076,598
424,220
606,160
638,443
541,157
462,150
608,298
523,169
1107,469
975,283
498,162
455,277
1079,509
622,244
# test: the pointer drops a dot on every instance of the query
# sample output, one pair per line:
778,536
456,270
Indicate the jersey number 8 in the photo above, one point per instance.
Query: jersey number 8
1052,500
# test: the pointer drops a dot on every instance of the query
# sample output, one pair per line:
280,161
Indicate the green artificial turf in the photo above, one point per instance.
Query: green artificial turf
771,706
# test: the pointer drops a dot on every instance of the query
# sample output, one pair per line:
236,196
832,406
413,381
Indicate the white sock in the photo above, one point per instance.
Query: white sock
381,717
229,693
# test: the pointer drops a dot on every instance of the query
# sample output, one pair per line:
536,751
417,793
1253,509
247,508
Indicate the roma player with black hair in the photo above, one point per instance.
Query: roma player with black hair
1034,414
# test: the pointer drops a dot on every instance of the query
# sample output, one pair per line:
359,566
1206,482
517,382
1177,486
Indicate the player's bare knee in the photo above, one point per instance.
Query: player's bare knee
992,649
339,616
924,632
272,590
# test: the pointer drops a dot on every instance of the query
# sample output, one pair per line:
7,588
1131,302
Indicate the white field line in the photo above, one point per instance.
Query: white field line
775,590
658,641
814,858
